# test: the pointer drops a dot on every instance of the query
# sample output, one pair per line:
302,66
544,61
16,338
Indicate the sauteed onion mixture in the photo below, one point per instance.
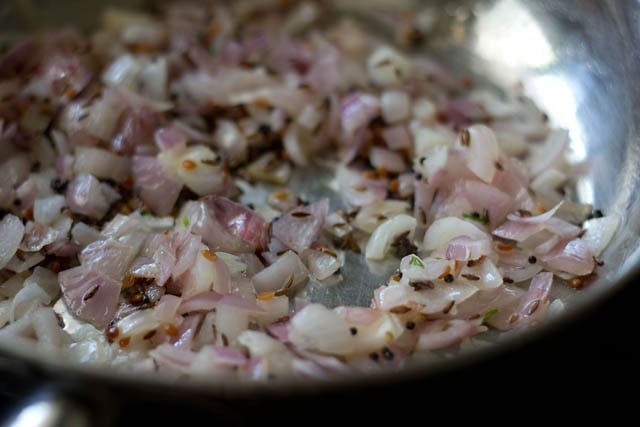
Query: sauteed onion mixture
126,154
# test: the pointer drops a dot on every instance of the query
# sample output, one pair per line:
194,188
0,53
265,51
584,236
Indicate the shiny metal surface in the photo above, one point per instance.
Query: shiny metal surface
577,59
49,409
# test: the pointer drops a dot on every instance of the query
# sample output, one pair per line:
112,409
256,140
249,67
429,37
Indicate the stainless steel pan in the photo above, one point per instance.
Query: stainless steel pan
578,59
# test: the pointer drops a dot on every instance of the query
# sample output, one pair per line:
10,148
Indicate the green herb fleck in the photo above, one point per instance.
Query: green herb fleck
185,221
489,314
416,261
482,218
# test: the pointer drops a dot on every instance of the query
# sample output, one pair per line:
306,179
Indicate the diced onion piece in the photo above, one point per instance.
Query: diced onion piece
332,338
599,232
444,230
396,106
385,233
101,164
12,231
46,210
287,272
387,67
483,152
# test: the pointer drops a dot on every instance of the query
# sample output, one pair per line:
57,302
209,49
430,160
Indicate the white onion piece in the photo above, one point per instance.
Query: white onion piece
548,180
230,323
12,231
90,295
123,72
24,262
276,354
171,358
483,152
599,232
198,167
321,264
101,164
397,138
533,304
385,234
444,333
301,227
154,79
158,189
10,287
442,231
358,110
383,331
371,216
275,309
396,106
47,209
310,117
287,272
291,100
83,234
548,154
205,301
520,228
387,160
226,225
268,168
85,196
46,328
463,248
484,274
199,277
438,299
186,255
573,257
232,143
29,297
387,67
357,190
104,115
169,137
297,145
332,338
137,324
111,257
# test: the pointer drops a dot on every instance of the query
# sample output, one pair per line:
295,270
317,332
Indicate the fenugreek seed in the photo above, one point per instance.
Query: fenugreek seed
576,282
300,214
465,138
533,307
112,332
189,165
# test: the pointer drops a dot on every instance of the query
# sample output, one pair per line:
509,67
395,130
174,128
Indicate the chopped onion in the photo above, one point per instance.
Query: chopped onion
287,272
385,234
301,226
11,230
599,232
